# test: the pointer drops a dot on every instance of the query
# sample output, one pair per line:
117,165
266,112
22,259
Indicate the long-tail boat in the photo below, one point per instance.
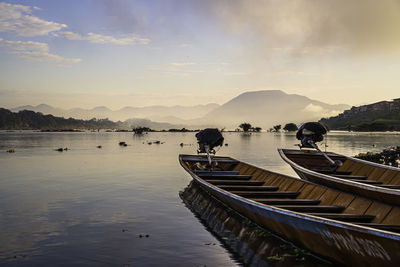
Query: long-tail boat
344,227
369,179
372,180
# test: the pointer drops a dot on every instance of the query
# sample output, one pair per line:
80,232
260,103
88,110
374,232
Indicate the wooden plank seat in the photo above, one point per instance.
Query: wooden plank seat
248,188
346,217
312,208
235,182
272,194
386,227
390,186
280,201
227,177
201,159
216,173
351,177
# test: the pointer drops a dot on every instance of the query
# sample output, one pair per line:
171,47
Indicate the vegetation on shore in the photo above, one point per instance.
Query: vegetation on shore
381,116
290,127
30,120
389,156
277,128
247,127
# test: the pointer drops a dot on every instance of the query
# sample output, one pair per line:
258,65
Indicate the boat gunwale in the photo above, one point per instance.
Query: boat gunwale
351,158
368,187
374,164
300,215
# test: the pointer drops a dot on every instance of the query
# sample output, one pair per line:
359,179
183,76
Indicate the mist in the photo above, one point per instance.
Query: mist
306,26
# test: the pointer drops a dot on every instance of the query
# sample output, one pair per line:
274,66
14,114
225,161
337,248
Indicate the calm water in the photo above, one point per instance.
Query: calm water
90,206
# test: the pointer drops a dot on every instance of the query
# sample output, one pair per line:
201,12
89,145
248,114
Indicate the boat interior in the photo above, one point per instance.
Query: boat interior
351,169
294,194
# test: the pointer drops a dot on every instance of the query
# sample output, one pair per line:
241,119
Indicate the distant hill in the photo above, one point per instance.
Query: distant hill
268,108
380,116
30,120
260,108
160,113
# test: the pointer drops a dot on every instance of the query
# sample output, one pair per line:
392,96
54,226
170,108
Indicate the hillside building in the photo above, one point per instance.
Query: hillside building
379,106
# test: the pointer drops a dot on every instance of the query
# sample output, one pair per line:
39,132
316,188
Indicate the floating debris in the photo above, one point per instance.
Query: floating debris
11,151
157,142
20,256
144,235
122,143
182,144
124,230
61,149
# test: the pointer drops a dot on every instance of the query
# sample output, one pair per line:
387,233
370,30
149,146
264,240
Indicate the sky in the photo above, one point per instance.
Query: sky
116,53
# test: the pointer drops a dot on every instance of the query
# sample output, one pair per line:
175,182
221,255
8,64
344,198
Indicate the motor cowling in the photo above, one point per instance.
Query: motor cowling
209,138
310,133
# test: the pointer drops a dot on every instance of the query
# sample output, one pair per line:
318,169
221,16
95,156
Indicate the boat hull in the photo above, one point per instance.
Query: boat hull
342,242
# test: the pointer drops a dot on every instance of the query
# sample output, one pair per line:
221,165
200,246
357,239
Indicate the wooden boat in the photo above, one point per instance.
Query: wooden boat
372,180
346,228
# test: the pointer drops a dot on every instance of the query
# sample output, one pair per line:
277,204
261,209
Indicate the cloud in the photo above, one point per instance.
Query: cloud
313,26
19,19
35,51
181,69
179,64
184,45
29,45
311,108
46,56
104,39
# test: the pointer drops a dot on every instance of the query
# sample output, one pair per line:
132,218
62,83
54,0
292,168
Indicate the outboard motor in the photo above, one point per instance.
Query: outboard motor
310,133
208,139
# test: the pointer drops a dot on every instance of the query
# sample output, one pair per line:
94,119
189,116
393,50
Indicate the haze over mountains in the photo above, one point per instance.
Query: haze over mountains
172,114
271,107
260,108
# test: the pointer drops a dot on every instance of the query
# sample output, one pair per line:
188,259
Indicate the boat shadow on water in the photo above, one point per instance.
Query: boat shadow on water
247,242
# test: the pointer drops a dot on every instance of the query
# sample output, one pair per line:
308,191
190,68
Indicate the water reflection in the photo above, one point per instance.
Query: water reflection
246,241
70,207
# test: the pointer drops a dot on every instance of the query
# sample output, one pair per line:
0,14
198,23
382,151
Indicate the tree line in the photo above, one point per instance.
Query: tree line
30,120
247,127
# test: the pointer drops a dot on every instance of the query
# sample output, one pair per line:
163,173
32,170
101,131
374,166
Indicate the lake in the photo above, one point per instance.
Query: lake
123,206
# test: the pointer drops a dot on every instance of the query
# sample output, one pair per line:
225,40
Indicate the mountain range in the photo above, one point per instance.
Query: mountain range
270,107
260,108
158,113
